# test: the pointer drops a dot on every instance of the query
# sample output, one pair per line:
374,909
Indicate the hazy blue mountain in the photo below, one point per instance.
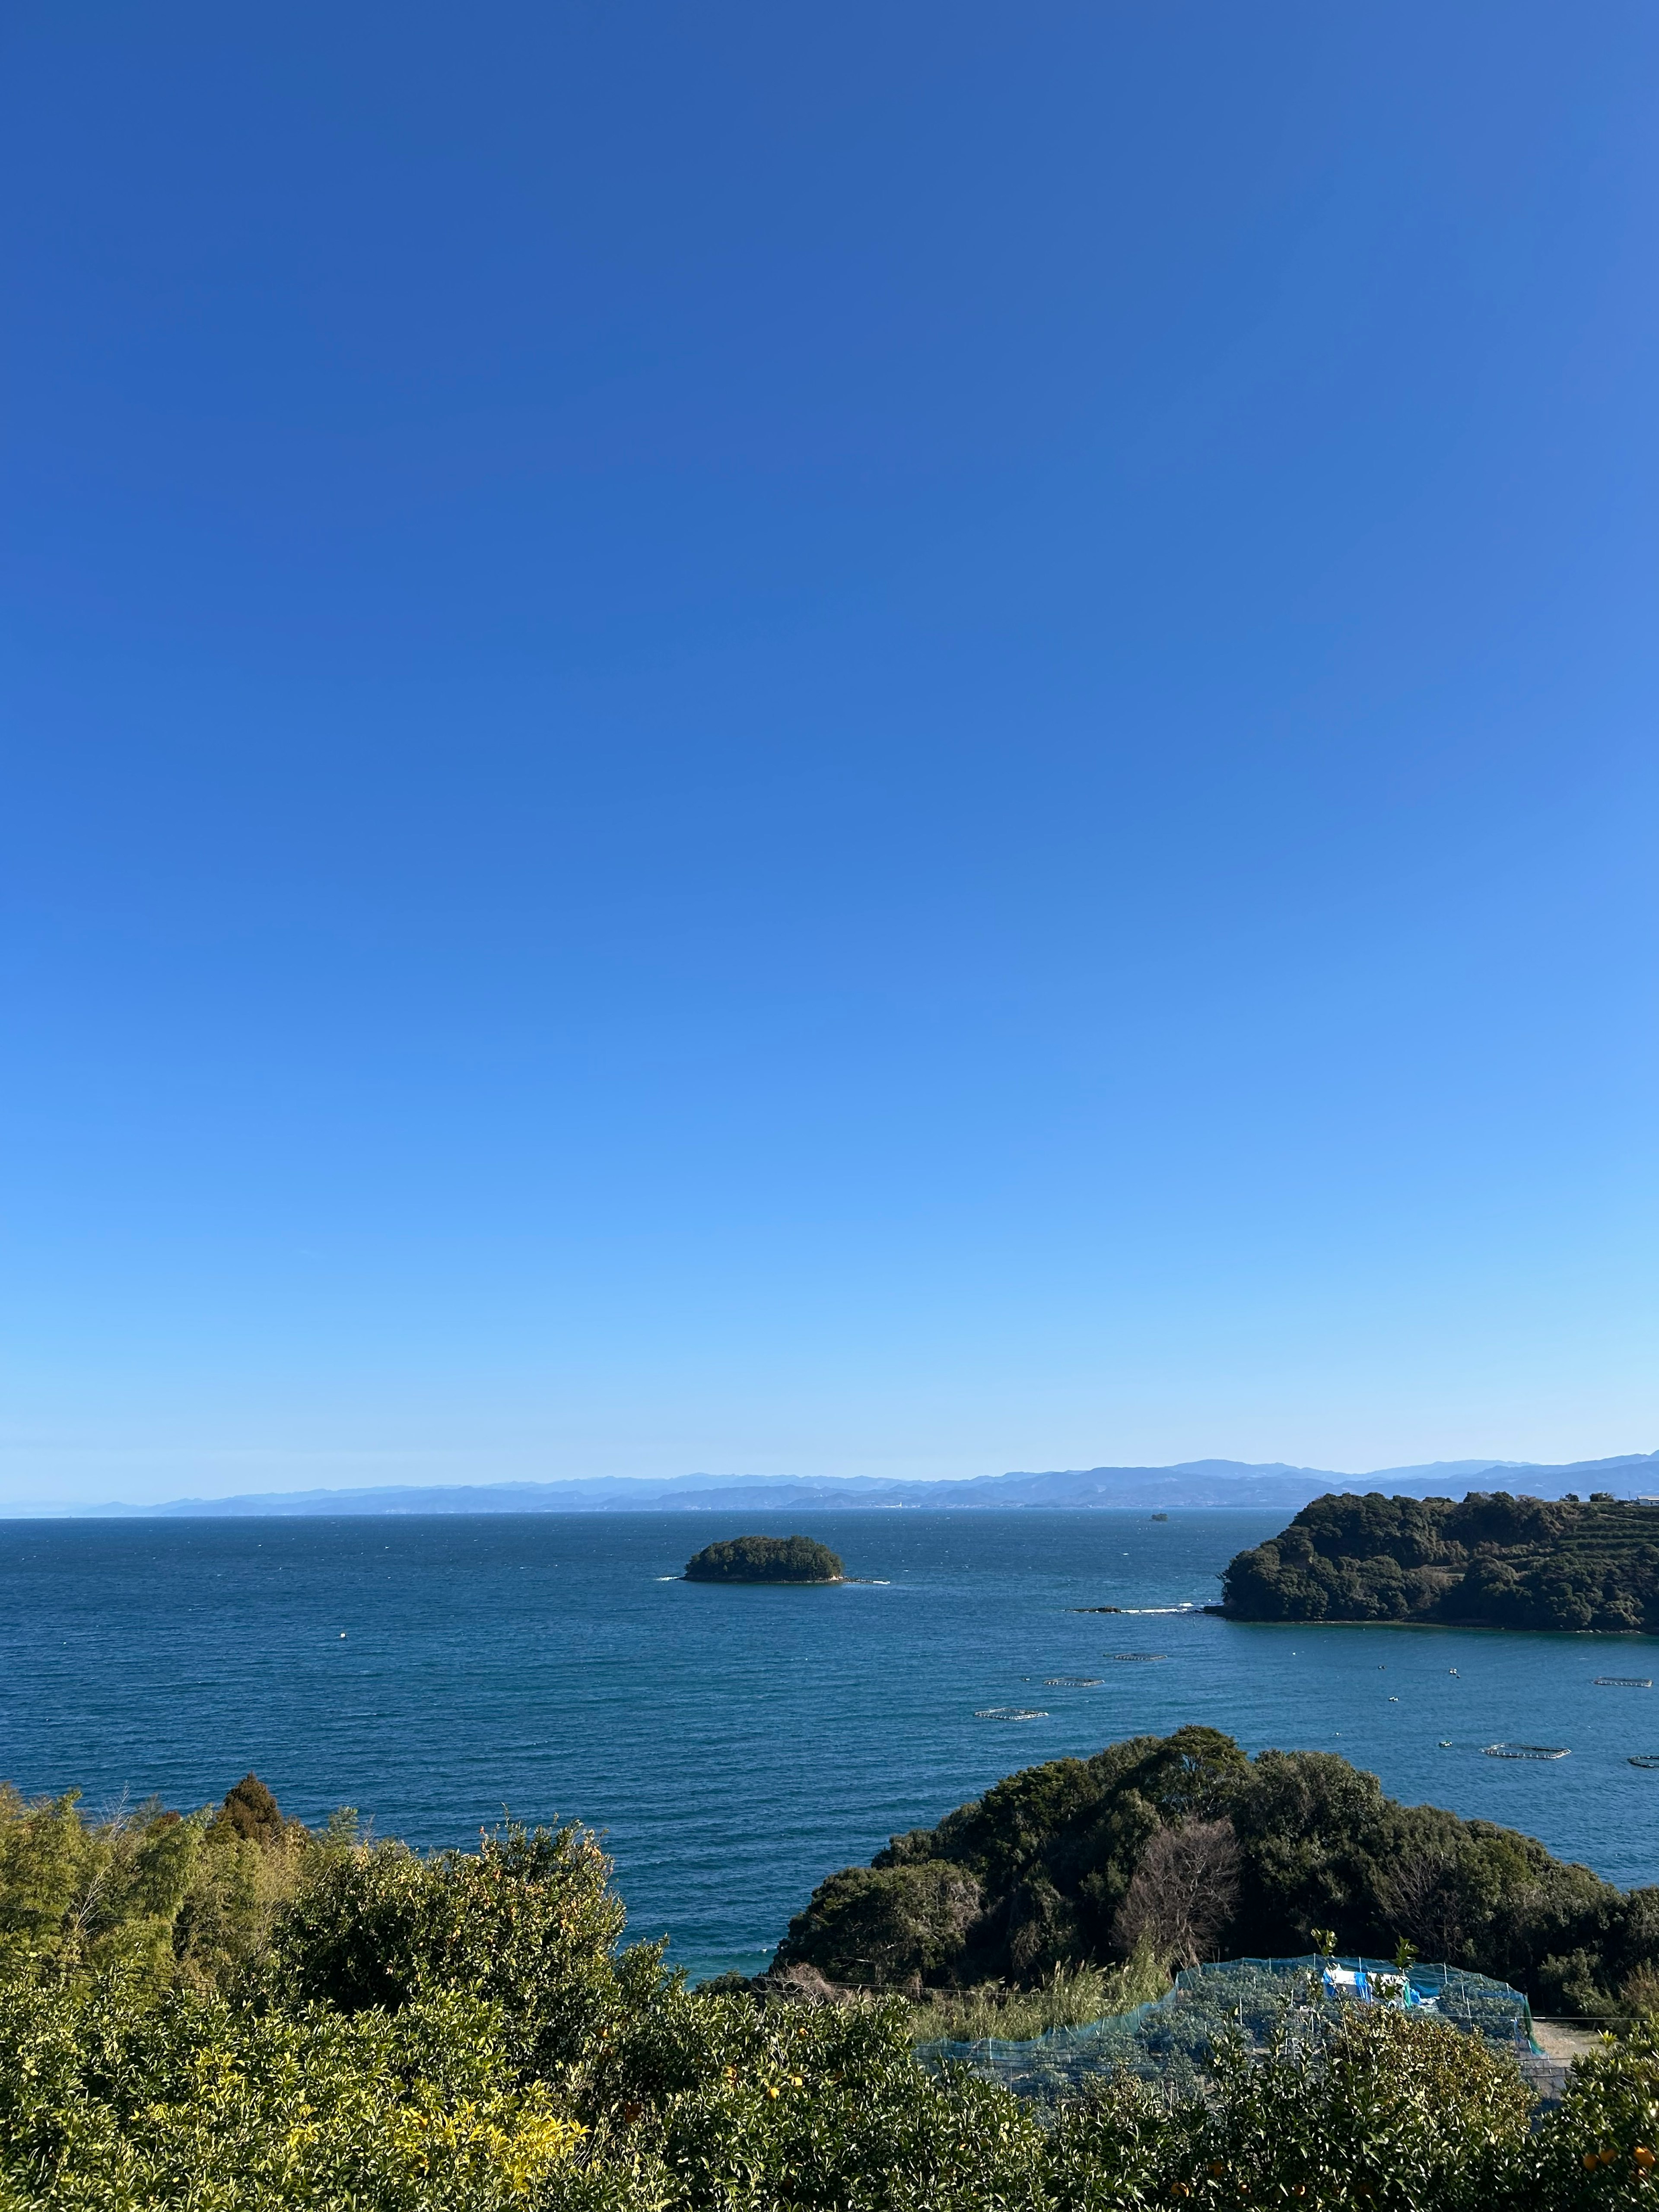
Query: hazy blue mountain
1200,1482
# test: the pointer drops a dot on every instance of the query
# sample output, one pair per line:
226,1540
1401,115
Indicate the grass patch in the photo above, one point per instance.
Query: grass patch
1071,1997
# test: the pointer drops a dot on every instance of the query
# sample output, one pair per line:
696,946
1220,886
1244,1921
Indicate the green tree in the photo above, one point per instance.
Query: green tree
527,1921
766,1559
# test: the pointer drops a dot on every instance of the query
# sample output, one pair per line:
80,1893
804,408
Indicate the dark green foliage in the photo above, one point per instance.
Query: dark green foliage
379,2063
765,1559
724,2104
1492,1562
1052,1851
528,1920
1038,1872
898,1925
124,2099
1390,2112
249,1809
721,2104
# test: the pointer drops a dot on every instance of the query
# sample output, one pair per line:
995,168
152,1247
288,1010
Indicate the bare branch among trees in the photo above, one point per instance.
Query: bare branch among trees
1183,1893
1424,1903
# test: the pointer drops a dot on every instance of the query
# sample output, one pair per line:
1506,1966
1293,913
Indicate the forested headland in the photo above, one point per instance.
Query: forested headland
1491,1561
1183,1846
227,2011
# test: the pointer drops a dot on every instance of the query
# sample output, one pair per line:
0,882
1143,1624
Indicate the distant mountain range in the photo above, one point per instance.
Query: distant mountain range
1198,1482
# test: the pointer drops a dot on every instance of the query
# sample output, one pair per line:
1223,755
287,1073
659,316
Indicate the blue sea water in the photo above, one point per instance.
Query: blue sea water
738,1744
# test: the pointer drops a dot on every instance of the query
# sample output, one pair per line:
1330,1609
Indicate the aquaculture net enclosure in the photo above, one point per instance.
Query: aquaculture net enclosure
1171,2040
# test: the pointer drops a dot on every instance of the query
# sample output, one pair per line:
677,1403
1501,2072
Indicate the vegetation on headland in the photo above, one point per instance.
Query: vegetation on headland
228,2013
1492,1561
766,1559
1183,1846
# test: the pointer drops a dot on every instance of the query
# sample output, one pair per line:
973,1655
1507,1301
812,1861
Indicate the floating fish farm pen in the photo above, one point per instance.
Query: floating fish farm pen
1255,2003
1644,1759
1072,1681
1011,1713
1527,1751
1624,1683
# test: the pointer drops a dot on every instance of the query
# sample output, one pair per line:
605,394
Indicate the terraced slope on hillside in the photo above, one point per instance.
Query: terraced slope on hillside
1492,1561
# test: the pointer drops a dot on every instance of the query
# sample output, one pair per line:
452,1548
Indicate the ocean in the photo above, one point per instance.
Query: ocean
738,1744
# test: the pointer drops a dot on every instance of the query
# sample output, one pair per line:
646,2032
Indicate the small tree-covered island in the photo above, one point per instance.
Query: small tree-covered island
766,1559
1493,1561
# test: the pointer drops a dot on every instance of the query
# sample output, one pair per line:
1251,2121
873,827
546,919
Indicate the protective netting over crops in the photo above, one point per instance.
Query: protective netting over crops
1171,2040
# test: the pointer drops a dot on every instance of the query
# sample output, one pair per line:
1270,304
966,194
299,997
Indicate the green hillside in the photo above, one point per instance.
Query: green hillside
1493,1561
1182,1847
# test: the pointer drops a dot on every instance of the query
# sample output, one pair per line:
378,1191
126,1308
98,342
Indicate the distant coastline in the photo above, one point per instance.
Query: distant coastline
1191,1485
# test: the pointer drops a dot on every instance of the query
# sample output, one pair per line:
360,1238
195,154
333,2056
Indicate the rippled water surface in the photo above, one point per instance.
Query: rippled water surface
738,1744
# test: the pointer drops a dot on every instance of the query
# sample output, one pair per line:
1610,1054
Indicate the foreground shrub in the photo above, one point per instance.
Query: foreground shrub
1385,2112
528,1921
116,2096
1602,2147
747,2108
179,1899
739,2107
460,2032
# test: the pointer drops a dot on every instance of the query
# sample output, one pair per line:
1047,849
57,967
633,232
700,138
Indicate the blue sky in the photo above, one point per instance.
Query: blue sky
824,740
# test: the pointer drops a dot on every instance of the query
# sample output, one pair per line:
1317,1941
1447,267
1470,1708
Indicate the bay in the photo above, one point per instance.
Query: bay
738,1744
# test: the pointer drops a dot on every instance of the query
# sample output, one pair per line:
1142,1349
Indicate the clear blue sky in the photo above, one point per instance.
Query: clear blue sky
864,739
